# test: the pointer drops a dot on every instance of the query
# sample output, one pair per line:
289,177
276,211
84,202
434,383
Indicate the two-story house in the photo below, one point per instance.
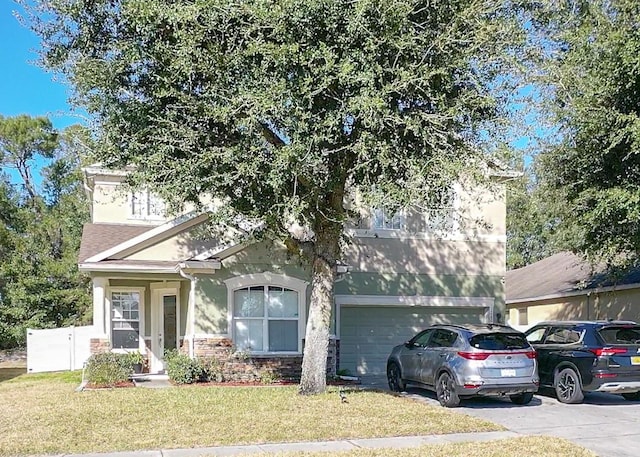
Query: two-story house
159,284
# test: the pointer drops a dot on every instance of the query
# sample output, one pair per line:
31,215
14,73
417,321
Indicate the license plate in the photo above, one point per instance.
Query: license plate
635,360
511,372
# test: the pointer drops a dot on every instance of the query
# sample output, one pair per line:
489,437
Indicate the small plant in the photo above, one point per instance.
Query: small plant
268,376
343,372
213,369
137,361
182,369
136,357
108,369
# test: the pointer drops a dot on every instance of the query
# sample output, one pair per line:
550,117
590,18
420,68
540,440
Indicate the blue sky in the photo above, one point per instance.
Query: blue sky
26,88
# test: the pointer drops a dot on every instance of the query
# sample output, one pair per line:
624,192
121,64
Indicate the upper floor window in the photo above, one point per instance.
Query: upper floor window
383,219
439,216
145,205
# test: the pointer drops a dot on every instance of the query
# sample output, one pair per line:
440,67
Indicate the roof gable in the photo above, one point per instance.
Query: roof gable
154,235
117,244
561,274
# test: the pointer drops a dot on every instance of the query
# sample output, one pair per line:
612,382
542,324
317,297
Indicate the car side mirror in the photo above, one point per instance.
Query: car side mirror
408,344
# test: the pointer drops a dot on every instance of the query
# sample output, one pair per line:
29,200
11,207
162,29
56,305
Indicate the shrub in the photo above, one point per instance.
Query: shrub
269,376
182,369
108,369
213,369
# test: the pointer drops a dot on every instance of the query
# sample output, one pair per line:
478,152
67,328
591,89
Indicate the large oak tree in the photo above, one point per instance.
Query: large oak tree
282,107
591,67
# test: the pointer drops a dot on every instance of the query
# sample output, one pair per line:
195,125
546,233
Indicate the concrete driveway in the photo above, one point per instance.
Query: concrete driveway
607,424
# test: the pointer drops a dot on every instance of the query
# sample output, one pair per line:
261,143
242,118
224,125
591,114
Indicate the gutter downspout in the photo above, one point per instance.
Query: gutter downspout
192,306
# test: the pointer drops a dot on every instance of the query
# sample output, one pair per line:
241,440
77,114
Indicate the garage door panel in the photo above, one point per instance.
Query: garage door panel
368,333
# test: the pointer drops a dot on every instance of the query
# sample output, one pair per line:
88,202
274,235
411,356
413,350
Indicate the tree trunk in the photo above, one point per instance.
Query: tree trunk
314,362
328,228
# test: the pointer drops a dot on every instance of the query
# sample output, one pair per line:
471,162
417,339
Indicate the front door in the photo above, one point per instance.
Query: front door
165,323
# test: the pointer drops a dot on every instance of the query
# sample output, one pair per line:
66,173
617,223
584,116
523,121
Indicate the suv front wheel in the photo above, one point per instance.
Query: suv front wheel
445,390
394,376
567,386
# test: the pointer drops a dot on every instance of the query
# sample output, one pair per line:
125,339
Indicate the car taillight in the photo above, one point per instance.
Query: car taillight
474,355
605,375
601,352
485,355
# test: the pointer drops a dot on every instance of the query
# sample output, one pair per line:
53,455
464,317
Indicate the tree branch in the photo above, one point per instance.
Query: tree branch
303,248
270,136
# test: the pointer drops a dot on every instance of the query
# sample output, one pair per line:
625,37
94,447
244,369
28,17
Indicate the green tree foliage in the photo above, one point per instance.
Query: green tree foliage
536,221
40,285
282,107
524,243
592,68
22,139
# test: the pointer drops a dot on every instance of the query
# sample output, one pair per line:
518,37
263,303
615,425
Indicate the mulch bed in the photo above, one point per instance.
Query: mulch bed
13,355
339,383
125,384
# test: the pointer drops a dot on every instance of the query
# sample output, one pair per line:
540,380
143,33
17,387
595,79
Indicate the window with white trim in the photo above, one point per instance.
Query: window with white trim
383,219
125,320
439,217
146,205
266,319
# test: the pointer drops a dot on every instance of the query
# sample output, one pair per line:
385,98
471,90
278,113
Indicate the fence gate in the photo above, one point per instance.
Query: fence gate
58,349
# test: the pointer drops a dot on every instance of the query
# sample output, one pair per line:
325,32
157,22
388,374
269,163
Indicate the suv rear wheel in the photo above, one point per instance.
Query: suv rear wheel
394,377
521,399
567,386
445,391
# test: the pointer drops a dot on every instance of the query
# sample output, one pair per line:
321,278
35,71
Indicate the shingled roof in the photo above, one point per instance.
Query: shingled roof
562,273
97,238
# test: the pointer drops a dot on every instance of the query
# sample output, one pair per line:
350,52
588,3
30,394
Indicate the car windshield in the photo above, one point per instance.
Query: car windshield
627,334
499,341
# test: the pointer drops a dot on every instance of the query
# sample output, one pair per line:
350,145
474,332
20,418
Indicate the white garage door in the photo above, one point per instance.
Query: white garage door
368,333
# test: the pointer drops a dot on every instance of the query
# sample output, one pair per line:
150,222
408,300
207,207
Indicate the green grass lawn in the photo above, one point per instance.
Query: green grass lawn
43,414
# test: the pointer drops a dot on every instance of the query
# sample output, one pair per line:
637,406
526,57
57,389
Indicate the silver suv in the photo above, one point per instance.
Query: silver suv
461,361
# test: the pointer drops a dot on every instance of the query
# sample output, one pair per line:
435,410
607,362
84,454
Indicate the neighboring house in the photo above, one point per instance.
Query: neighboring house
565,287
159,283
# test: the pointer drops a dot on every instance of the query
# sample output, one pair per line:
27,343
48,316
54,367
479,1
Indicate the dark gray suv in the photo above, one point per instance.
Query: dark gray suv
588,356
462,361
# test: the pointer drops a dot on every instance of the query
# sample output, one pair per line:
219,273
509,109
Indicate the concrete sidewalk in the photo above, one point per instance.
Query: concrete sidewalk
314,446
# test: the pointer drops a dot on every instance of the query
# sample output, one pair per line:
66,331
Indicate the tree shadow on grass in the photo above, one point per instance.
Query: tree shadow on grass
7,373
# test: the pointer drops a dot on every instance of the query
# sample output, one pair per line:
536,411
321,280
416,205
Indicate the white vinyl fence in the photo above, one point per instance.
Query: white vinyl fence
58,349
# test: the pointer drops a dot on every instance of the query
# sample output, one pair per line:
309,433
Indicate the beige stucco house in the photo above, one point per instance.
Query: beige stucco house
566,287
159,284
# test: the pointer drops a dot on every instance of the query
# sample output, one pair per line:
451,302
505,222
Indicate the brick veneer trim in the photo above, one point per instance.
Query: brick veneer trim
284,367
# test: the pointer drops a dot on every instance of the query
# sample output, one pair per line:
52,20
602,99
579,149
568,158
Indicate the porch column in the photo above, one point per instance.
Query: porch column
99,293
